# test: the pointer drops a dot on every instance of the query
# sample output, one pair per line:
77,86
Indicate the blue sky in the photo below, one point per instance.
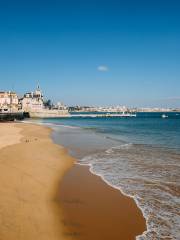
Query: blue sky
92,52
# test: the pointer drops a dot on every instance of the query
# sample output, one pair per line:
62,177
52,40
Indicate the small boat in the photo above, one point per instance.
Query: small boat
164,116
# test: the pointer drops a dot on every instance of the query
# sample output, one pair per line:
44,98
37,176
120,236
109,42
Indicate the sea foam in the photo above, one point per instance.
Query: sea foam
149,175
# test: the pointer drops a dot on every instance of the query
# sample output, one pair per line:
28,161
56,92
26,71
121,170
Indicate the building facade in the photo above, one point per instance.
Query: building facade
32,102
8,102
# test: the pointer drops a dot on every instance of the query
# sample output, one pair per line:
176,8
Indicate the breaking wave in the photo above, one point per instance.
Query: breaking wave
148,174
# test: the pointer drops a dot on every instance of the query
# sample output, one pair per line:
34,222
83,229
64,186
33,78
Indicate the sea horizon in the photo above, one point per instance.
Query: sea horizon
139,156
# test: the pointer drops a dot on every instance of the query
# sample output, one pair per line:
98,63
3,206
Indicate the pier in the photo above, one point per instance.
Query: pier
105,115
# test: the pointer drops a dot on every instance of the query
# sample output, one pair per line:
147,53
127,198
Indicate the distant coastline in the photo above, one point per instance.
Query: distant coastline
35,105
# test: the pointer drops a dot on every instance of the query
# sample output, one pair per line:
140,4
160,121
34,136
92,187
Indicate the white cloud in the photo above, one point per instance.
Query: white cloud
103,68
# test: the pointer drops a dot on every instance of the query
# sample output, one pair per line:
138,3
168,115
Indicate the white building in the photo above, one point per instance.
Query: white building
32,102
60,106
8,102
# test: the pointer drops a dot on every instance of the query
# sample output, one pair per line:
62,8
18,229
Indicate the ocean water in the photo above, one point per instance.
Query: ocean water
140,156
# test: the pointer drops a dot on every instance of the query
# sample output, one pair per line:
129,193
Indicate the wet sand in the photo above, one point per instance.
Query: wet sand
93,210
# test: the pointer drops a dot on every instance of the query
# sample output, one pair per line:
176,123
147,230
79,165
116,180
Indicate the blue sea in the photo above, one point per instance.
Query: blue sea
139,156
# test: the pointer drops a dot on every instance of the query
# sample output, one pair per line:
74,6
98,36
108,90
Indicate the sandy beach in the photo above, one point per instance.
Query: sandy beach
9,134
30,171
94,210
44,195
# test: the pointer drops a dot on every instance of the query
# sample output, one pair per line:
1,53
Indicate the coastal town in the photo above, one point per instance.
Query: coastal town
34,105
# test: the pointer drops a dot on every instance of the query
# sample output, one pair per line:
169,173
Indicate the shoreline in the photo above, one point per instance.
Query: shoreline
56,226
145,227
89,166
95,210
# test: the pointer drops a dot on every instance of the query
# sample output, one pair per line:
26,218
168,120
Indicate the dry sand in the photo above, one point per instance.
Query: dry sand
9,134
30,172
